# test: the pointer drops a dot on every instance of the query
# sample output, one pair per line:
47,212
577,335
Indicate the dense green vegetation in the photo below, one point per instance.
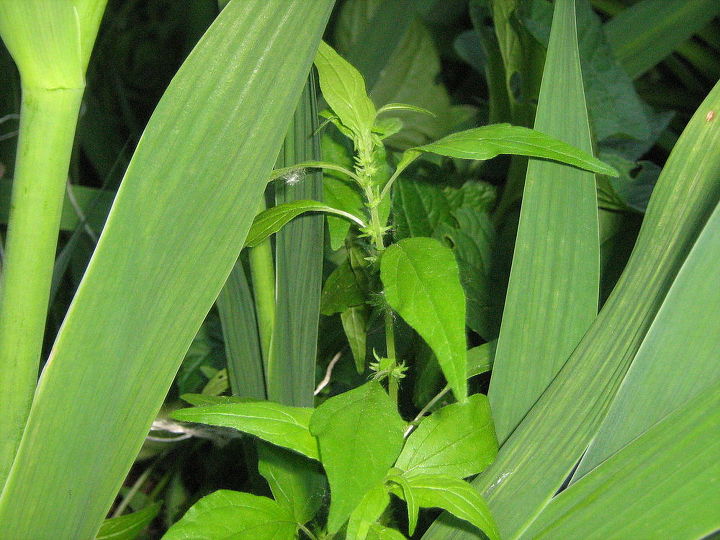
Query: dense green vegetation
359,269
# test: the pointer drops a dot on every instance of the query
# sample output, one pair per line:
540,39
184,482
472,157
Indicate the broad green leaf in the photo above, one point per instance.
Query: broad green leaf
471,239
273,219
686,332
373,504
359,430
490,141
367,30
410,74
298,266
646,32
230,514
296,482
201,400
354,321
456,496
344,89
159,264
662,485
418,208
129,526
379,532
478,196
543,451
341,291
422,284
552,295
614,106
457,440
272,422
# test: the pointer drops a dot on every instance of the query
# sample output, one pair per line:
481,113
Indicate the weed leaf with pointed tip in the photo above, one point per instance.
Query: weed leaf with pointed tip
457,440
272,422
422,283
129,526
360,435
229,514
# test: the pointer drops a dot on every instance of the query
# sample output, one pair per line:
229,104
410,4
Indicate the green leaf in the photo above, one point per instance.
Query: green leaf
298,266
480,359
160,264
341,291
201,400
685,332
240,334
490,141
457,440
522,480
344,89
296,482
422,284
272,422
379,532
472,241
338,191
359,430
273,219
418,208
457,497
129,526
354,321
409,497
676,463
229,514
372,506
552,295
646,32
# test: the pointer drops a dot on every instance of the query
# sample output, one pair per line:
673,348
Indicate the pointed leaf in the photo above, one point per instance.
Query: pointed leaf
422,284
490,141
273,219
160,264
229,514
367,512
359,430
354,322
296,483
344,89
457,497
272,422
129,526
457,440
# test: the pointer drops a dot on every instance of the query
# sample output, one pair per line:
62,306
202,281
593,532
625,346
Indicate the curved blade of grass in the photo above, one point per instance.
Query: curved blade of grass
684,338
681,450
541,453
648,31
160,263
552,295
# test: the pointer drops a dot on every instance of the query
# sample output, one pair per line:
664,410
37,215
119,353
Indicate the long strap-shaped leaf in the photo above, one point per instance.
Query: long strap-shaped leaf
552,295
541,453
662,485
684,339
172,237
298,267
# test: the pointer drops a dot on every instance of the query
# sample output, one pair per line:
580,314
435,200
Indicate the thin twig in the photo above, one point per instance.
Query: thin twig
328,373
425,409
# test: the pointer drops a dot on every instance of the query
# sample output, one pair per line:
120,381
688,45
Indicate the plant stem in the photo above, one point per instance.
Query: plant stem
262,270
47,129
